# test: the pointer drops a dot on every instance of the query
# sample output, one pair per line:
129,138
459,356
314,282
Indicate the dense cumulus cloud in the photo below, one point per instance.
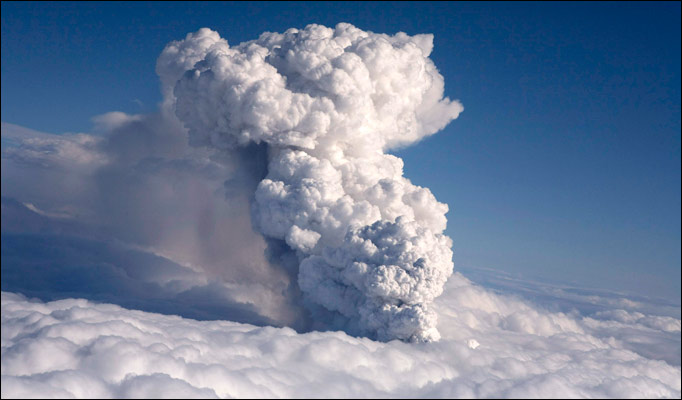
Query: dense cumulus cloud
261,197
328,103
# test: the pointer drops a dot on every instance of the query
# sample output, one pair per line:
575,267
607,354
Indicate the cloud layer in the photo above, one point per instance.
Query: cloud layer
492,346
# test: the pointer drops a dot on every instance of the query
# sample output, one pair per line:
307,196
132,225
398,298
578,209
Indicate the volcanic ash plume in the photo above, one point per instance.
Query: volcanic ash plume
327,104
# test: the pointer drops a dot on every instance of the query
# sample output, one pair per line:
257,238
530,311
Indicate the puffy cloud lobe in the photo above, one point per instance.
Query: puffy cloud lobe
328,103
379,278
180,56
316,88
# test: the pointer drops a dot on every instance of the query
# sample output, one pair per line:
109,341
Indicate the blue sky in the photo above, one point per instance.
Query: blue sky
564,165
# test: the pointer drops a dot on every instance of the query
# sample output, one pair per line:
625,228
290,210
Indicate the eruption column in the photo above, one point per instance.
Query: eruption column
328,104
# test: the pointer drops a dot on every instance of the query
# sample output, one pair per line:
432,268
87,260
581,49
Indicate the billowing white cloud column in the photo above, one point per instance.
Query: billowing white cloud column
328,103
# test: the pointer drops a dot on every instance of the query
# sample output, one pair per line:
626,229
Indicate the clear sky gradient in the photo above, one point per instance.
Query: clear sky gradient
564,165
